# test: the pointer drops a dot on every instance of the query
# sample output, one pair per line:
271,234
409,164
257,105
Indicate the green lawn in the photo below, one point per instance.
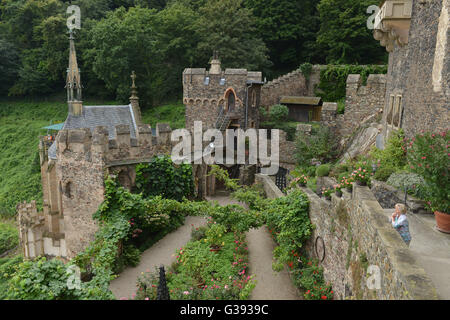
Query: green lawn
20,126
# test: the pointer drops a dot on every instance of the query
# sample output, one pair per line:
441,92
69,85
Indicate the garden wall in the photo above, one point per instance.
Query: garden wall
356,234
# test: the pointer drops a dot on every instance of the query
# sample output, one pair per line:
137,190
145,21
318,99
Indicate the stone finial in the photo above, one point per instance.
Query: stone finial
133,86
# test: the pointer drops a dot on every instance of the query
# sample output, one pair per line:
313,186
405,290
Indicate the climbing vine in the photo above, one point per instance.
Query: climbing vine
162,177
333,79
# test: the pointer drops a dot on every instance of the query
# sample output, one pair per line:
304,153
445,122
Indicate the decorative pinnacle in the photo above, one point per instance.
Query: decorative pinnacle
133,86
133,77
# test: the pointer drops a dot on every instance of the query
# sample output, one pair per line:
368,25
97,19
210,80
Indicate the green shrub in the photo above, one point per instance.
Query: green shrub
288,218
8,267
429,156
394,153
411,182
278,113
383,173
9,237
333,79
235,218
323,170
43,280
319,145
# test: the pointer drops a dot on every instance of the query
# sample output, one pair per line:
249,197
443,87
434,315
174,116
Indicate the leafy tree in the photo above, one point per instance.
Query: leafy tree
230,28
288,28
9,65
344,36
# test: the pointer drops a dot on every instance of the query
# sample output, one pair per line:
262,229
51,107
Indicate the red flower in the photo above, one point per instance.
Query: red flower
324,297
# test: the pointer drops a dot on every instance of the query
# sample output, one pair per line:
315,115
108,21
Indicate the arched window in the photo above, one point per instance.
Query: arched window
231,102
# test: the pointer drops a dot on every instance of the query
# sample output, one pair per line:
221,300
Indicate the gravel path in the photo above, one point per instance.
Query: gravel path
161,252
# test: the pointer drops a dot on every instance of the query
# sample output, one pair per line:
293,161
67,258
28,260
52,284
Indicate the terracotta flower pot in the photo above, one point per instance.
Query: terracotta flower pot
442,221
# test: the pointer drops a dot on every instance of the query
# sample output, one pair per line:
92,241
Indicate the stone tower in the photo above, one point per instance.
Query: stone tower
222,99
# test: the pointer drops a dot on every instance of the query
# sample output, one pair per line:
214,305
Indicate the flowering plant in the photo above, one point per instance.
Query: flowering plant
428,155
310,277
347,183
301,181
338,187
362,175
326,192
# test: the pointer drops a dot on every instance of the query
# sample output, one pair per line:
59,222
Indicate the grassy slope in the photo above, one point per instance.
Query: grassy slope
20,127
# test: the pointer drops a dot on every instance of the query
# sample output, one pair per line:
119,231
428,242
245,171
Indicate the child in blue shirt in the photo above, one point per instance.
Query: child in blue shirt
400,222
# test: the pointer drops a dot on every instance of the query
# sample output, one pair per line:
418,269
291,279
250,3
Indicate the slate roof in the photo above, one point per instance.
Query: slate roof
315,101
94,116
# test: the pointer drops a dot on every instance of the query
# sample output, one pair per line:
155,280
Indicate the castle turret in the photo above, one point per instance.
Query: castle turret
73,81
215,64
134,100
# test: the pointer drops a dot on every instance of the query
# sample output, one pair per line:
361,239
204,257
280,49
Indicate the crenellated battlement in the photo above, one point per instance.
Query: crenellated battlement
97,145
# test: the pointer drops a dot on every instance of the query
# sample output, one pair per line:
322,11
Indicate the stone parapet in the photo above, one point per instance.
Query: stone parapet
356,235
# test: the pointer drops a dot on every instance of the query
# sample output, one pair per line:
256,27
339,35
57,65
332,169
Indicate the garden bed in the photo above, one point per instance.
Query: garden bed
201,273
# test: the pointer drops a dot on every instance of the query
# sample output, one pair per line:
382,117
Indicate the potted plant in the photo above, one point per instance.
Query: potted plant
428,155
361,176
338,190
214,236
301,181
326,192
347,184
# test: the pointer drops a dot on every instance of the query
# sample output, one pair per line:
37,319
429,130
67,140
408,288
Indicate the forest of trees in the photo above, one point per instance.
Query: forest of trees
159,38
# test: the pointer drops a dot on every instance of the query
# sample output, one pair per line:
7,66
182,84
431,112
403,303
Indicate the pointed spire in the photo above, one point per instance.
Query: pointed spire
134,100
73,80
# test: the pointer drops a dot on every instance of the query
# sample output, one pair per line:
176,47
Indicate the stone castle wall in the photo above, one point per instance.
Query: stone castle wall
204,101
361,101
74,185
356,235
426,81
291,84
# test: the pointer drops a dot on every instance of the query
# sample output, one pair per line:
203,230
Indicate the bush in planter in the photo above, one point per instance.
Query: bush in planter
327,192
323,170
428,155
383,173
361,175
412,182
